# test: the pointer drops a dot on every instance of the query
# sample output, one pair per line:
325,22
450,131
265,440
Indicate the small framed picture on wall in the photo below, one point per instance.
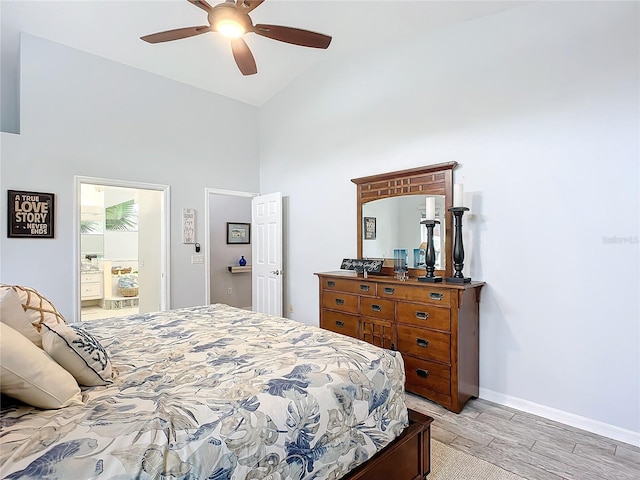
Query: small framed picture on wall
369,228
238,232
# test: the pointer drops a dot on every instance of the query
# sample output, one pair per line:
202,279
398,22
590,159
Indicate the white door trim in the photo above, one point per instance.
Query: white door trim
207,226
165,238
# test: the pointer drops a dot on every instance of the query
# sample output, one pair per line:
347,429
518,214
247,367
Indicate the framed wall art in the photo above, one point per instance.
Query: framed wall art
238,232
188,225
122,217
30,214
369,228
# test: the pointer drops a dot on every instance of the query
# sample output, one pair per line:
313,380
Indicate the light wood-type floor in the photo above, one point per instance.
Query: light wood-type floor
94,312
530,446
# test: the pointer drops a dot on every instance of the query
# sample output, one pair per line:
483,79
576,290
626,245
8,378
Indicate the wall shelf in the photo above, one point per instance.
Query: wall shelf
239,269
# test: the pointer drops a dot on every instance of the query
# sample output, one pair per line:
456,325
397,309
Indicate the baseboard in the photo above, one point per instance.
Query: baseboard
583,423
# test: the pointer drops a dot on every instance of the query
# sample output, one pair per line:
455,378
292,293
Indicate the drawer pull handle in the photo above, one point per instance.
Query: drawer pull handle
422,315
422,373
364,288
331,283
376,308
435,295
389,290
422,342
339,301
339,324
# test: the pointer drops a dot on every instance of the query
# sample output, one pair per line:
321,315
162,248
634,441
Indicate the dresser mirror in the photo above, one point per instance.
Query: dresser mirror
397,225
390,207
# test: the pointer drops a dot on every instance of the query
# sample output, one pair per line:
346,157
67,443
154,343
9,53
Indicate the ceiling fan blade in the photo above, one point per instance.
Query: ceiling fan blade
296,36
247,6
176,34
202,4
243,56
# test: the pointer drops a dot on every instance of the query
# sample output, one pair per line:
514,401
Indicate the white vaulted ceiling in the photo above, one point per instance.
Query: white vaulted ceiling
111,29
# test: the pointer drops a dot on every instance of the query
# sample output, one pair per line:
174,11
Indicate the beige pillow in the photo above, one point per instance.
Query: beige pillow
78,352
12,313
39,310
28,374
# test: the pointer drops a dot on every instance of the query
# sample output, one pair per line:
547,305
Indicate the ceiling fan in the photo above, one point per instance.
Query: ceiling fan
232,20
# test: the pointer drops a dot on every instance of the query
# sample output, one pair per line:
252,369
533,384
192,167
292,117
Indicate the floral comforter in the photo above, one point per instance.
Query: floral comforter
218,393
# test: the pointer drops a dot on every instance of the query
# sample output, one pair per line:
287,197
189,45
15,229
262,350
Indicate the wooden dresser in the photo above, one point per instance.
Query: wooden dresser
433,326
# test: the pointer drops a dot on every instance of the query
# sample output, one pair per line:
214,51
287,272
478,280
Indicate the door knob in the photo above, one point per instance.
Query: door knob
276,272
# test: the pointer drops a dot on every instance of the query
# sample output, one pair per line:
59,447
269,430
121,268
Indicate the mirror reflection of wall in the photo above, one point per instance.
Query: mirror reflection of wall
91,244
398,226
91,219
109,221
121,223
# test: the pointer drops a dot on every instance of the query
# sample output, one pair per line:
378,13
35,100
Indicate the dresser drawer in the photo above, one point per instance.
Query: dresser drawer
424,343
424,315
90,277
377,307
91,290
418,293
427,375
340,323
344,302
350,286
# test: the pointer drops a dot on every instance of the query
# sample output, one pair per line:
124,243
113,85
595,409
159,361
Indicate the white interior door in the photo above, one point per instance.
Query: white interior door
266,252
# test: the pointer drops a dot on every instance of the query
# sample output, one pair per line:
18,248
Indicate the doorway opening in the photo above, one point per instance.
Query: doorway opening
259,281
225,281
122,248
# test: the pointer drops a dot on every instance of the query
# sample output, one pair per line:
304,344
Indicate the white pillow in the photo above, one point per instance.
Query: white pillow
12,313
39,310
79,352
28,374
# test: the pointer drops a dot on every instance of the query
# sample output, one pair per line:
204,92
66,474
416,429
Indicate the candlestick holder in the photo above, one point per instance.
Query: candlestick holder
458,248
430,254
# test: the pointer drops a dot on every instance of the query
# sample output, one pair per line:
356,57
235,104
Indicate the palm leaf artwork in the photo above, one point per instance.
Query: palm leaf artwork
89,226
122,217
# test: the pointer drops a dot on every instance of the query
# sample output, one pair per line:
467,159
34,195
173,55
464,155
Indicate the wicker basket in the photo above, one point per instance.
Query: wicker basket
129,292
120,270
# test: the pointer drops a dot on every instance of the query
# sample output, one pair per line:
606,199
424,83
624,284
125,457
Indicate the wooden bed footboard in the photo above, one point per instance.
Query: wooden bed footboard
408,457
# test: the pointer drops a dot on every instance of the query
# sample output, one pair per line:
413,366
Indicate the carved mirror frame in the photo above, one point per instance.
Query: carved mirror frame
428,180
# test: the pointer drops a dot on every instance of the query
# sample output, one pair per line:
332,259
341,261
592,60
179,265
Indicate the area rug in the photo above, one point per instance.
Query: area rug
450,464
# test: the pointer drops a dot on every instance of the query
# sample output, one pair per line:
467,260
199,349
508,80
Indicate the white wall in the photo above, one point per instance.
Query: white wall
84,115
539,105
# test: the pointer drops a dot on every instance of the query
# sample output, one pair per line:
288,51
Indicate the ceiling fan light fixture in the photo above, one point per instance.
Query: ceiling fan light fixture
231,19
229,28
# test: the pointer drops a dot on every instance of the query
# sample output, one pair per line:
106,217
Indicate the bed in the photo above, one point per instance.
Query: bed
220,393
